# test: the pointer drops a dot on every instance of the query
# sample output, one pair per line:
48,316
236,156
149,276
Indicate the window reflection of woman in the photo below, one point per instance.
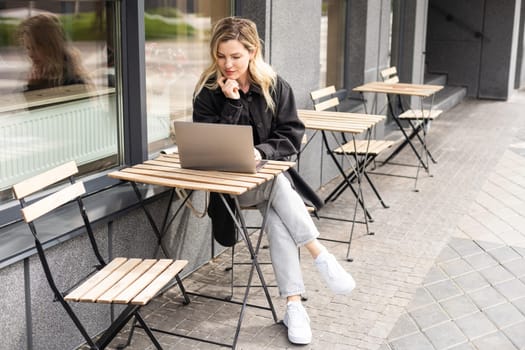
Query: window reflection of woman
54,61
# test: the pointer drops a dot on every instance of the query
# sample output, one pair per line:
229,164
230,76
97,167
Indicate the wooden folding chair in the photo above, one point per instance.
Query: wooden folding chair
365,151
132,282
418,119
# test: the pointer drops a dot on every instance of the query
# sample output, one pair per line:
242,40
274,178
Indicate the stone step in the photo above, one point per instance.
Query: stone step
447,98
435,79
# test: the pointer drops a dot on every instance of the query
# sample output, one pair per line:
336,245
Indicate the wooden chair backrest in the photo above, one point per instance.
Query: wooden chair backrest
389,75
52,201
323,94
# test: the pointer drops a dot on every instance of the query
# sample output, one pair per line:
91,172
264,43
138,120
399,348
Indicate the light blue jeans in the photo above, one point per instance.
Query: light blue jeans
288,226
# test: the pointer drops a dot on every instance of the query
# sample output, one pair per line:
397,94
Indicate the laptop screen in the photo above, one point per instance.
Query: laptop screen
208,146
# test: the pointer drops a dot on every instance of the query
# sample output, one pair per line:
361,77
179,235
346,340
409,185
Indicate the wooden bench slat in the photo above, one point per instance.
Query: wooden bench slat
393,80
94,280
110,280
387,72
154,287
323,92
331,103
128,280
38,182
142,282
53,201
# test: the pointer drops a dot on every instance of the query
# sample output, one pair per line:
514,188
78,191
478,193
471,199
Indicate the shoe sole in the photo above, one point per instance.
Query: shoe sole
296,340
344,292
299,342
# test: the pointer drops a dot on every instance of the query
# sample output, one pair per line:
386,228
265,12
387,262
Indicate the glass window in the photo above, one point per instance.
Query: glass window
177,51
57,87
332,50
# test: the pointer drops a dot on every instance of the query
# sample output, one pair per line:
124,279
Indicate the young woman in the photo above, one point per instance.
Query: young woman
240,88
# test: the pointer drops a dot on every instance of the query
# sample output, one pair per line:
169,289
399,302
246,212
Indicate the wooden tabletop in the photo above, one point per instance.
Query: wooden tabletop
166,171
354,123
421,90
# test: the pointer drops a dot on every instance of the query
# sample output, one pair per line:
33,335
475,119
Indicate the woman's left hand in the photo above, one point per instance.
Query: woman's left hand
229,87
257,154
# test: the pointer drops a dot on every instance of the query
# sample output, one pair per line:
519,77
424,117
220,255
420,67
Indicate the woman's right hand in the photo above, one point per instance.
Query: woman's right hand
229,87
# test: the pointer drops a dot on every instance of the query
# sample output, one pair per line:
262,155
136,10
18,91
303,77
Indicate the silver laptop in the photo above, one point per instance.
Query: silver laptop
207,146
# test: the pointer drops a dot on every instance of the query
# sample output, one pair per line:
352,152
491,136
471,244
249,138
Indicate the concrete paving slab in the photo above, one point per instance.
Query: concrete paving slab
486,297
475,325
493,341
471,281
458,306
445,335
516,334
504,315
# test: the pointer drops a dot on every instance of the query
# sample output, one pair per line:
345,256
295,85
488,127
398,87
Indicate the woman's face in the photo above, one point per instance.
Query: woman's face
233,60
32,51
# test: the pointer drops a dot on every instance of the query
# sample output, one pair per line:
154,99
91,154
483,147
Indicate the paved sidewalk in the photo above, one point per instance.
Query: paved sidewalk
444,270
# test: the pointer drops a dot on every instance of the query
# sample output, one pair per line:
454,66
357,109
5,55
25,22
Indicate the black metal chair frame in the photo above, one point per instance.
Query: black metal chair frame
130,311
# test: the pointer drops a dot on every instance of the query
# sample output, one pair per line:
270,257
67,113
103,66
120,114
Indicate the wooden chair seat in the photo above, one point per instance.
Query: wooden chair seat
417,114
127,281
372,148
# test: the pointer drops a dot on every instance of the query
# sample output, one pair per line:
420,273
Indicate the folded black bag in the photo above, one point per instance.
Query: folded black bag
222,225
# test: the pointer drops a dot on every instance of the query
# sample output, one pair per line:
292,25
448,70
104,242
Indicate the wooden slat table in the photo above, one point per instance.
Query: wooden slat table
418,120
166,171
354,124
420,90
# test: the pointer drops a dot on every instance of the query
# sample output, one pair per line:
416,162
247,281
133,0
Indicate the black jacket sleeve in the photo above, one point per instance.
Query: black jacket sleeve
282,132
213,107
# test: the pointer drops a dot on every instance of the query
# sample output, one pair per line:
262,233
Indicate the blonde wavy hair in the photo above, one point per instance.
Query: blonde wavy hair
44,34
259,72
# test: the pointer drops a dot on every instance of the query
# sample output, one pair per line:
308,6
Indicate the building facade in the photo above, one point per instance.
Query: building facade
137,63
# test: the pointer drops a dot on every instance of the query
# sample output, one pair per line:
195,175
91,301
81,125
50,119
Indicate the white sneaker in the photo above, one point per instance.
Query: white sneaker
337,279
298,323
